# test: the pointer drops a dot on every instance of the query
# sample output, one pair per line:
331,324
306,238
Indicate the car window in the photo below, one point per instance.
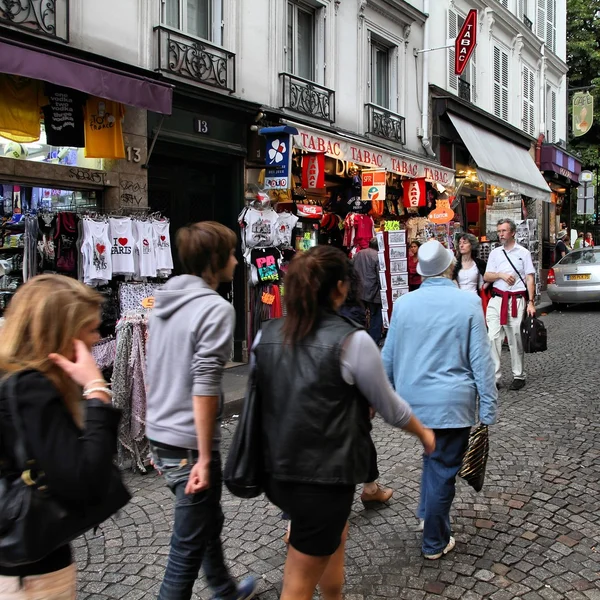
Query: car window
582,257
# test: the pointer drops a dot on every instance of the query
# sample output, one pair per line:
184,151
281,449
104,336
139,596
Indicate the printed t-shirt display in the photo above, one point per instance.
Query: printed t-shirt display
45,242
145,254
96,253
20,102
266,263
66,242
260,227
284,229
164,258
104,129
63,117
122,245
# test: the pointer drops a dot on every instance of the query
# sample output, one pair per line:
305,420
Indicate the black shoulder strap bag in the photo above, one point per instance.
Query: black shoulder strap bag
527,298
33,523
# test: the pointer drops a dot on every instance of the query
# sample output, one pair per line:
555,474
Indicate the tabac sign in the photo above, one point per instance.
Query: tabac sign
465,42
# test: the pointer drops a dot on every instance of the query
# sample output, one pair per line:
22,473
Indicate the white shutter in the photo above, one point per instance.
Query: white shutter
497,82
452,34
528,101
551,24
474,76
504,86
520,9
540,24
552,117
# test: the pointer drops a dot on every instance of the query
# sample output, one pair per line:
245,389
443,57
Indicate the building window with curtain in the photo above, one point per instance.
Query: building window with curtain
200,18
380,75
301,40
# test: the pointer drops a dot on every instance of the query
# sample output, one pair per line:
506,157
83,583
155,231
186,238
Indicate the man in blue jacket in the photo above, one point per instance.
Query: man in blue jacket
437,356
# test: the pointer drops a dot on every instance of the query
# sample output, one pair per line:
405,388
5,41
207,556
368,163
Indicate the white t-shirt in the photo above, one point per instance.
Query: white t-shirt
470,279
164,257
260,227
284,228
145,246
498,263
96,253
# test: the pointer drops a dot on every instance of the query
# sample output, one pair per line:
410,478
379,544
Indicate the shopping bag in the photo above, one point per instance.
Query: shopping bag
243,473
534,335
475,459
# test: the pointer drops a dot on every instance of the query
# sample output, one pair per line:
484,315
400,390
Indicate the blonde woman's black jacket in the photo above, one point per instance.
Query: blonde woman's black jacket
77,463
315,425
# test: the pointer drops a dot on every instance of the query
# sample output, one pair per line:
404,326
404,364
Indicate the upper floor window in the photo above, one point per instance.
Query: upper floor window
551,114
545,27
201,18
301,40
380,74
501,83
528,100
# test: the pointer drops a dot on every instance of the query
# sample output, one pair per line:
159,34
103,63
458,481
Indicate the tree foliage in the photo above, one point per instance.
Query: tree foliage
583,59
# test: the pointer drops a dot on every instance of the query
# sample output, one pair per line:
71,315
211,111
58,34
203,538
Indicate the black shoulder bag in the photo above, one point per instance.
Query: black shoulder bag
33,523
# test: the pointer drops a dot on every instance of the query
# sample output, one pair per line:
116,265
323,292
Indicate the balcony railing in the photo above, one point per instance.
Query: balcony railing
385,124
195,59
307,98
528,22
464,90
43,17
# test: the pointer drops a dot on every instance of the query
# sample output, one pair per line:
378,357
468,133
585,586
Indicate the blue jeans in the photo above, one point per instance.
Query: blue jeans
438,483
196,539
376,323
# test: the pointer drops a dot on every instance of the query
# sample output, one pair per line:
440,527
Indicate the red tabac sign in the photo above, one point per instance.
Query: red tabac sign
465,42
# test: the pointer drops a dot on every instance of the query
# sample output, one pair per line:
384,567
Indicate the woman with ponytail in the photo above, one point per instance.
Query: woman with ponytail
318,378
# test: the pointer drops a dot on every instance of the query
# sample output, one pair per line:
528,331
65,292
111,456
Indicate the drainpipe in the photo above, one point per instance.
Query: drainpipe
425,141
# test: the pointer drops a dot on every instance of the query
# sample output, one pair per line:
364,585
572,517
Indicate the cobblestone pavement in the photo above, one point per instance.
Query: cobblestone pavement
532,533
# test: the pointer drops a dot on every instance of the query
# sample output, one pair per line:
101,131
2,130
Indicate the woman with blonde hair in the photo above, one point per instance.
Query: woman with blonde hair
46,368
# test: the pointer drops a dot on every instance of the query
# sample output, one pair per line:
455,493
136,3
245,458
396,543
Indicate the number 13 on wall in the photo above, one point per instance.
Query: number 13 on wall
133,154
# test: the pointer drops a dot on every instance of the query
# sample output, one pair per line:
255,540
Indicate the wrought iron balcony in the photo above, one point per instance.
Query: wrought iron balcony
43,17
308,98
464,90
385,124
528,22
195,59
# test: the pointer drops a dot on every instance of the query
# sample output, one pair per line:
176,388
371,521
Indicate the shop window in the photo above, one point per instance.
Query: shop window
551,133
380,75
200,18
501,83
301,40
465,85
546,22
528,92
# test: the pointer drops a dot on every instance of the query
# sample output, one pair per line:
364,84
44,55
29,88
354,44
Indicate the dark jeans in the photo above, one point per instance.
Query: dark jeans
438,485
196,539
376,322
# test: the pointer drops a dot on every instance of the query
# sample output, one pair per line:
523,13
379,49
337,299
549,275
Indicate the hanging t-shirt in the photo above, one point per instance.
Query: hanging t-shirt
145,246
21,99
164,258
63,117
284,228
96,253
122,246
46,242
266,262
104,129
260,227
66,240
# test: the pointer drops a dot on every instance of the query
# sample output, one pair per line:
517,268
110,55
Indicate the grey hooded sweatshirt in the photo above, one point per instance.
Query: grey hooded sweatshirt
189,342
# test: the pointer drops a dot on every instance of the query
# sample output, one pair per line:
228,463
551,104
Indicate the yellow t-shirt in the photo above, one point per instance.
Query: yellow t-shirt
20,102
104,129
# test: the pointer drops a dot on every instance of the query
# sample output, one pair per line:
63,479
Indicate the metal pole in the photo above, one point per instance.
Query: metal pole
585,199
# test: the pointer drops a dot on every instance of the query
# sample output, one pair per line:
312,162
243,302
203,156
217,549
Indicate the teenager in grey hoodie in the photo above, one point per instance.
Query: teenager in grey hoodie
189,343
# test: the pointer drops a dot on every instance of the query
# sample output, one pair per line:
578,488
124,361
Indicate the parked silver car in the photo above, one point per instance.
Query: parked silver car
575,278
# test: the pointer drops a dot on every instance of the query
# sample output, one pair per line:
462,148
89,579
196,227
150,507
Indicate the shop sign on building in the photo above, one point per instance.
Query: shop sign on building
583,113
372,157
278,161
313,171
465,42
414,193
373,186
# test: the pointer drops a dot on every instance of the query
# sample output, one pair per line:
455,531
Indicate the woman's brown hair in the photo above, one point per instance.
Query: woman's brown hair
205,245
310,280
45,316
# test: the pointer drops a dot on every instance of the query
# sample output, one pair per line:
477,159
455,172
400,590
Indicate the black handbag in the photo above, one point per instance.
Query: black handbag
534,335
33,523
243,473
475,459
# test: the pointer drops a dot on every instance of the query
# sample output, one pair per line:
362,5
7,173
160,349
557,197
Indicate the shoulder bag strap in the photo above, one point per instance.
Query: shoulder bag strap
517,272
8,389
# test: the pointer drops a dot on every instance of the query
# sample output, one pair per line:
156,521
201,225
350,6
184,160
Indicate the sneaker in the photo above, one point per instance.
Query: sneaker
246,589
447,549
517,384
381,495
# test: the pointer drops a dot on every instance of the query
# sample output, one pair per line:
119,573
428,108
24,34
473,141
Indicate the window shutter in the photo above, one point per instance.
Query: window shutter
541,19
551,24
452,34
528,101
497,82
552,116
473,81
520,9
504,86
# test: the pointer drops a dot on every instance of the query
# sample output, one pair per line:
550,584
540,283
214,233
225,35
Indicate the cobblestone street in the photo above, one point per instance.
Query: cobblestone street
533,532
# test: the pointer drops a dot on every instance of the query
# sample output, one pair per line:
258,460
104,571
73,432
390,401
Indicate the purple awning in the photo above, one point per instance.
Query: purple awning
85,76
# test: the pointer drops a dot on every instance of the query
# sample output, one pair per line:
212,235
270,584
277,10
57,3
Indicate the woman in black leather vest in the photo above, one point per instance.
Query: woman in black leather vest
318,376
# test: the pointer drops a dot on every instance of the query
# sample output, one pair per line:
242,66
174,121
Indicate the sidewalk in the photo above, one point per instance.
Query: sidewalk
236,378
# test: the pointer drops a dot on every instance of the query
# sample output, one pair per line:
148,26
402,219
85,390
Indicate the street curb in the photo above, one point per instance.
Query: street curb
546,308
232,405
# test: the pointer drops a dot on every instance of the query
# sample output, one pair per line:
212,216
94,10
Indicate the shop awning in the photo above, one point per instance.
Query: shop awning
88,77
500,162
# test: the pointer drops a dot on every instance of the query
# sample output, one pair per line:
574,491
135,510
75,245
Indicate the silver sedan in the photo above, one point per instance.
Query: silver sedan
576,277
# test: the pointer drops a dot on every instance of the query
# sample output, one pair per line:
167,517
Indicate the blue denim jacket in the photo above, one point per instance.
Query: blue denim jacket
437,356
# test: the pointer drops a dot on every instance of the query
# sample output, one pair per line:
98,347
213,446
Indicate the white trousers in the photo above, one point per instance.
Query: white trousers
59,585
496,333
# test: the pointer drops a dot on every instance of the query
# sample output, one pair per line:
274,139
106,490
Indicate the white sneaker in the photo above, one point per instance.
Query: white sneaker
447,549
421,525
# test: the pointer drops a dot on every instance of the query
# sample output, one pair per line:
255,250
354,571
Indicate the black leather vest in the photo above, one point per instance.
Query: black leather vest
315,426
